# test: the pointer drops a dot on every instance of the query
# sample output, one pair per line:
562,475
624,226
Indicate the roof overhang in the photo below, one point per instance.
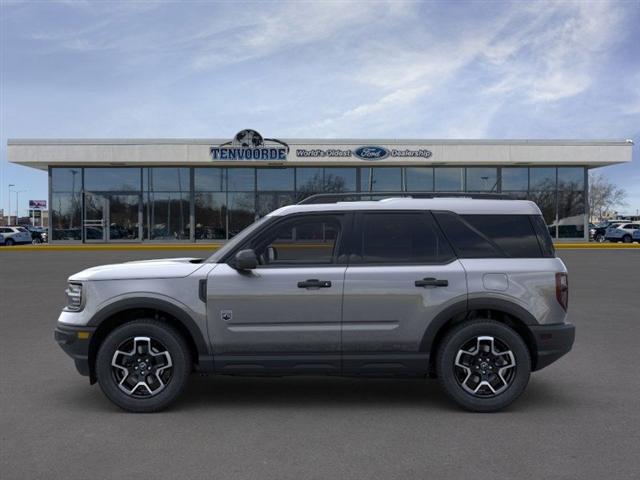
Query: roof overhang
43,153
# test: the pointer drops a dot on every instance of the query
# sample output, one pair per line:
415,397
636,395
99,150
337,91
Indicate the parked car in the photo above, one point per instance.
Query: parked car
15,235
38,234
469,291
622,232
599,232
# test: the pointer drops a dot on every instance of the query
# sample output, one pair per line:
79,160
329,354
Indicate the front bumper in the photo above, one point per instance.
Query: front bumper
75,343
552,342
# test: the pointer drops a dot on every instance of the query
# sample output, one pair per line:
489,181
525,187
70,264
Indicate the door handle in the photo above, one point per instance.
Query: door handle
431,282
314,283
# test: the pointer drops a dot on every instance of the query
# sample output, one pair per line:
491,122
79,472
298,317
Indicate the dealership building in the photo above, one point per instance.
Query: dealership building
199,190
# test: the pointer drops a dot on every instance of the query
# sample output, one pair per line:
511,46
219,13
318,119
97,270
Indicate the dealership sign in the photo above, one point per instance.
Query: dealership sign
371,153
250,145
38,204
366,152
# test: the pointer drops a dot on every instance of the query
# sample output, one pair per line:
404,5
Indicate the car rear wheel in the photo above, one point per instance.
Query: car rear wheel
143,366
483,365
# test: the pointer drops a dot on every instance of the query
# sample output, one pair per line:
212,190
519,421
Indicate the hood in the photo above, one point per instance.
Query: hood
162,268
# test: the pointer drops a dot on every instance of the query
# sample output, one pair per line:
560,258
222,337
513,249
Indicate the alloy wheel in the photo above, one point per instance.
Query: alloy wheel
141,367
485,366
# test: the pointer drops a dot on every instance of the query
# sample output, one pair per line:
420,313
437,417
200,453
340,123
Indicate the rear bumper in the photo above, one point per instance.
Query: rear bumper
552,342
75,343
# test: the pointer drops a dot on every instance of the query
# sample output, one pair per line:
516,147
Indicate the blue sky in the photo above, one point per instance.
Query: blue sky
324,69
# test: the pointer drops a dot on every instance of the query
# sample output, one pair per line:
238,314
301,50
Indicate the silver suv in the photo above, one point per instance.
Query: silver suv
469,291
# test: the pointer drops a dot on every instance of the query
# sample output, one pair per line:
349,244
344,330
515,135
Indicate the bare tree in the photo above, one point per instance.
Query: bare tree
604,196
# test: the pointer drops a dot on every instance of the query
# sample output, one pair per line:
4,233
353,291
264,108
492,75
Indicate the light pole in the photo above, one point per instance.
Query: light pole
9,213
18,192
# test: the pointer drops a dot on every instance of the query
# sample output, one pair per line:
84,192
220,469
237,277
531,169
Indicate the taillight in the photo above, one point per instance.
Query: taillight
562,290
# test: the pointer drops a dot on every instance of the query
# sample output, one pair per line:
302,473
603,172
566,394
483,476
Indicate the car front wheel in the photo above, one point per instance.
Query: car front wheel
143,366
626,239
483,365
599,238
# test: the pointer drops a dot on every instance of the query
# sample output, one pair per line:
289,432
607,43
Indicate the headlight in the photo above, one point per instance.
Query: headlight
74,297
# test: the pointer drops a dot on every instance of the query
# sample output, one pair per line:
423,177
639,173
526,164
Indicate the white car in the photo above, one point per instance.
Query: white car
15,235
623,232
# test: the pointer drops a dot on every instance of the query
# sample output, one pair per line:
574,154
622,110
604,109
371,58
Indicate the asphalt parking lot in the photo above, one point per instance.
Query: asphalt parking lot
579,418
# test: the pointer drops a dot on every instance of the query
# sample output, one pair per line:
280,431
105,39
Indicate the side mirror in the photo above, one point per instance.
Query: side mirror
245,260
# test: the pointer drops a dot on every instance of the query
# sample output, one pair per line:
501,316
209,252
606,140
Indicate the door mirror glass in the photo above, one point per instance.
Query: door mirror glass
246,260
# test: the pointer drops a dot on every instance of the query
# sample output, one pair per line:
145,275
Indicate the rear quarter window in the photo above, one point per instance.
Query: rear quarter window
495,236
514,234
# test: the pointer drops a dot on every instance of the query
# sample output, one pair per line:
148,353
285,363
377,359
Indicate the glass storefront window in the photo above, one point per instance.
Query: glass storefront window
308,182
418,179
570,178
542,178
482,179
241,179
66,217
221,212
515,178
449,179
112,179
166,179
124,217
270,201
381,179
338,180
166,216
571,214
210,216
66,180
241,211
275,179
209,179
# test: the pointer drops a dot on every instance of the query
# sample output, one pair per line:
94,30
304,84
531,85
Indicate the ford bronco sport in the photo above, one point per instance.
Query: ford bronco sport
469,291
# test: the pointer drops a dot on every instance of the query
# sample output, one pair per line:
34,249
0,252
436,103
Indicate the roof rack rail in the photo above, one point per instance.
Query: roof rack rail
358,196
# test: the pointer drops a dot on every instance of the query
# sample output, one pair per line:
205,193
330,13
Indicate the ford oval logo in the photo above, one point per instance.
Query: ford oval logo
371,153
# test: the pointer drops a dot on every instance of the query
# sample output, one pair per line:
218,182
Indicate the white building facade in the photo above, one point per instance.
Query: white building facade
190,190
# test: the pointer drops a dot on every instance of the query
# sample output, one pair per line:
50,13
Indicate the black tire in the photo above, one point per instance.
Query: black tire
450,375
179,355
626,239
599,238
9,242
36,241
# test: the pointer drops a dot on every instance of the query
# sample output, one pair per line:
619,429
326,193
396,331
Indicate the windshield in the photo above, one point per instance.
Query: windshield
235,241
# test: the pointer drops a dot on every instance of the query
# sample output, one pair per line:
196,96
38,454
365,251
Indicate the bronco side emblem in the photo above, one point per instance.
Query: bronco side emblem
226,315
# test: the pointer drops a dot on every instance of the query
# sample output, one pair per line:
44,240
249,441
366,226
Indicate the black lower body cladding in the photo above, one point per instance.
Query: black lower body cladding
552,342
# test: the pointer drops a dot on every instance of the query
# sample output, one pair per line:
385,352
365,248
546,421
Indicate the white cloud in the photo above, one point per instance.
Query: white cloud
552,57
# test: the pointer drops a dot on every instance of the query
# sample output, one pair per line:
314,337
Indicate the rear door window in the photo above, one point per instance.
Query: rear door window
467,241
400,238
